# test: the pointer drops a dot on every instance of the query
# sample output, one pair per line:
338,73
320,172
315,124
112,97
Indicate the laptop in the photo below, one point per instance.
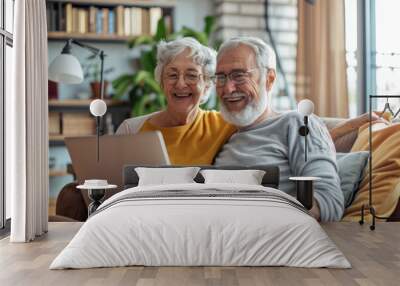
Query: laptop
115,151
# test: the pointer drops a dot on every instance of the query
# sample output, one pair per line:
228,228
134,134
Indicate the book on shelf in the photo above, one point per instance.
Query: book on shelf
75,24
136,15
119,11
54,16
111,22
145,22
168,22
127,21
68,20
155,15
92,19
105,20
99,21
118,20
83,21
54,123
78,124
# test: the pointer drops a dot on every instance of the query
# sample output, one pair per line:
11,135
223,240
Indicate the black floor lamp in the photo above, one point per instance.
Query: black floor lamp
65,68
304,185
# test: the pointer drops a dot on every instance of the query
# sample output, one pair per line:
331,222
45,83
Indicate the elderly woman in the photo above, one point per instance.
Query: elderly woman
192,135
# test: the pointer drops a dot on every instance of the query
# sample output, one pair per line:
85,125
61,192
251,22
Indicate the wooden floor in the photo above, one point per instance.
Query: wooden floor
375,257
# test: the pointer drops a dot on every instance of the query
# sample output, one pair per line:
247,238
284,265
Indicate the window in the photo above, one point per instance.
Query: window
372,53
9,15
6,44
351,54
386,66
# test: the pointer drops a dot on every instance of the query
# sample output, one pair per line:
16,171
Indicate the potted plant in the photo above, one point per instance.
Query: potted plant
92,71
143,90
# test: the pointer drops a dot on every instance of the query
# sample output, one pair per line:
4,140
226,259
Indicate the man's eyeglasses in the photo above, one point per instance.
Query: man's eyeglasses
189,78
238,77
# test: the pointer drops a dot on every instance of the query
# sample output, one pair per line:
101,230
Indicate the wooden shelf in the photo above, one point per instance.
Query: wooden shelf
60,138
111,3
58,173
82,102
87,37
56,137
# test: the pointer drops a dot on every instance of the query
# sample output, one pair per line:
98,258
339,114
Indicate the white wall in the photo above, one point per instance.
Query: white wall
191,13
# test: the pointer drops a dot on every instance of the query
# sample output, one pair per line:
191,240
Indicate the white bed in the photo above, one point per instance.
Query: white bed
224,225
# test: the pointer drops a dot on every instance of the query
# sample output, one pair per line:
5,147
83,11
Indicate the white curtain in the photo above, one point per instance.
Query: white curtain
26,124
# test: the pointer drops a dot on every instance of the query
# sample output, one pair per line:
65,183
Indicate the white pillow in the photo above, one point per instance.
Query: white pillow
164,176
248,177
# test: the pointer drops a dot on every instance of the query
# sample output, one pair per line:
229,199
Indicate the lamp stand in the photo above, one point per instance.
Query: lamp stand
101,55
99,118
305,190
370,205
303,131
70,72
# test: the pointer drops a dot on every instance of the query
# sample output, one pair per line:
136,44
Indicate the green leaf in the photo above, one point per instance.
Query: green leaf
148,61
121,84
140,76
141,40
199,36
209,25
161,33
153,85
120,79
161,100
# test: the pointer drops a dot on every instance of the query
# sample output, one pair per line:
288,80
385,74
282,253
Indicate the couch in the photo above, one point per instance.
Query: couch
72,203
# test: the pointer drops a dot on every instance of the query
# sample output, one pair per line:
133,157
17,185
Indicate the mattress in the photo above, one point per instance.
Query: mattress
201,225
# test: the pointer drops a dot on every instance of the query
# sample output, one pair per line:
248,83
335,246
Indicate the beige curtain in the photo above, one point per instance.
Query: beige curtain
26,129
321,62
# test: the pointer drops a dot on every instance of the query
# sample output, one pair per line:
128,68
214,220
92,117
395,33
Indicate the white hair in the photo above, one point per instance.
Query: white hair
201,55
265,55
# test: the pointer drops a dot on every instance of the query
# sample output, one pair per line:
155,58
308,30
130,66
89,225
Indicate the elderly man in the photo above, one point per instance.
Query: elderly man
244,77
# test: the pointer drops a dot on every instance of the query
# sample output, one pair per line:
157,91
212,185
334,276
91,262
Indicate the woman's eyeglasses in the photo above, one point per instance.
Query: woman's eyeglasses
189,78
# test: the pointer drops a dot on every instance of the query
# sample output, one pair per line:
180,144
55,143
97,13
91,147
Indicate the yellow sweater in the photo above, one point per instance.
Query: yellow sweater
196,143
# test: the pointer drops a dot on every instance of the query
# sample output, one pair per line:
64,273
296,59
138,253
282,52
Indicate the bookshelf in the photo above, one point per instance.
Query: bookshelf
83,103
113,3
87,37
71,117
113,20
110,23
58,173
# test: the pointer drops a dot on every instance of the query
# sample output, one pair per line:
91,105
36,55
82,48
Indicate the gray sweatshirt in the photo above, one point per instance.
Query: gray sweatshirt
276,141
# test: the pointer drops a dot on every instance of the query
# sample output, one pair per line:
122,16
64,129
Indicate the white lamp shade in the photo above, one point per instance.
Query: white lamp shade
65,68
98,107
305,107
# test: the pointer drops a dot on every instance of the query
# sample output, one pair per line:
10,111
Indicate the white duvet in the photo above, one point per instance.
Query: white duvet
183,231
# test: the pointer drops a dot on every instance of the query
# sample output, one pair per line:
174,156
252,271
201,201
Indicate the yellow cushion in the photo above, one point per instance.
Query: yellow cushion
385,170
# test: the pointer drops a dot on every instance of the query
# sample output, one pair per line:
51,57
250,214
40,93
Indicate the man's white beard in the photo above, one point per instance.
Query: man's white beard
250,113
